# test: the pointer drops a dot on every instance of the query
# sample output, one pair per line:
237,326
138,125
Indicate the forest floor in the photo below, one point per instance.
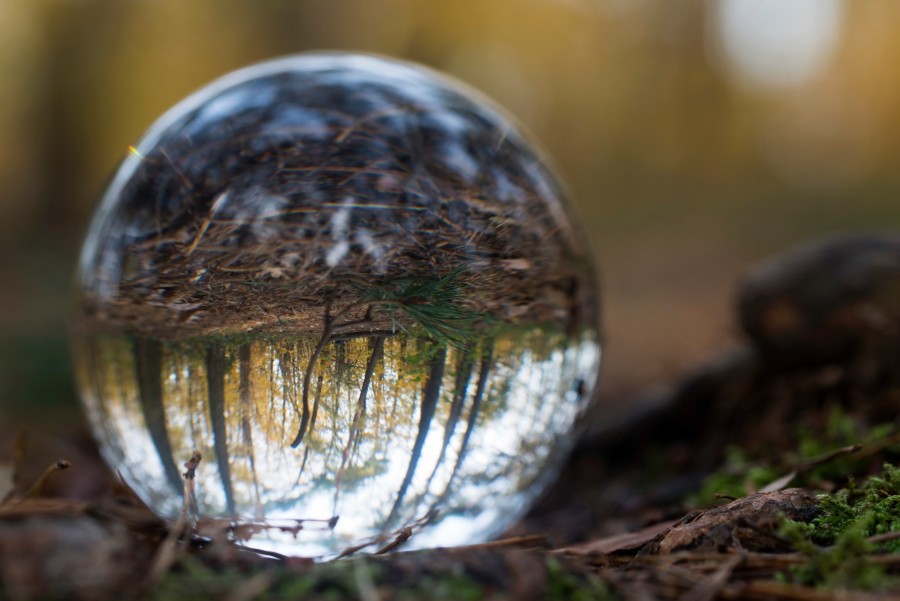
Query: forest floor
767,473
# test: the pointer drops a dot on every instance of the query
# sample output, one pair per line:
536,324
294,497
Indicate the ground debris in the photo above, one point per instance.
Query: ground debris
621,478
104,549
793,395
50,548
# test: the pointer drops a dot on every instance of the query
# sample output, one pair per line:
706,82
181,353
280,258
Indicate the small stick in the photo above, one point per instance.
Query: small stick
877,446
402,537
805,466
253,587
21,450
365,584
167,554
352,550
529,540
37,489
263,552
709,589
826,457
883,538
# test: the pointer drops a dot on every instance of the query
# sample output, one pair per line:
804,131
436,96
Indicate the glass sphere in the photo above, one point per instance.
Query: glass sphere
351,285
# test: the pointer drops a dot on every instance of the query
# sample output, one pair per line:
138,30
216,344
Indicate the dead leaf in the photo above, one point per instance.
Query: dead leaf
625,541
780,483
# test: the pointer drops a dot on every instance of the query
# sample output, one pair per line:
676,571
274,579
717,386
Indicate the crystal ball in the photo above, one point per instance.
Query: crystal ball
356,289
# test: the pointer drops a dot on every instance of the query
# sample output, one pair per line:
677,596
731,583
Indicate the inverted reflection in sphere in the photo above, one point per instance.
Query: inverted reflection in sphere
355,289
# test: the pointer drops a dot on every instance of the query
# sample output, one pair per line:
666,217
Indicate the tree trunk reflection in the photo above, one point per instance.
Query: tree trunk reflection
430,395
215,378
484,369
374,357
246,410
461,386
148,365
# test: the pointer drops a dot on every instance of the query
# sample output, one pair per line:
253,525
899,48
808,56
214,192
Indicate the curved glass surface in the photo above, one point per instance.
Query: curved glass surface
352,286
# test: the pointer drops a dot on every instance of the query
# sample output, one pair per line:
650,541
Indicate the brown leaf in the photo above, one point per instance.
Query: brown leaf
619,542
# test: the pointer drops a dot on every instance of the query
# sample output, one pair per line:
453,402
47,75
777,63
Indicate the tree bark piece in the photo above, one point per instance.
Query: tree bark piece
749,524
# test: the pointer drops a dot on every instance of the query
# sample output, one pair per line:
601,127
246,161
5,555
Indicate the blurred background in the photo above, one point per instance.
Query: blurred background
696,137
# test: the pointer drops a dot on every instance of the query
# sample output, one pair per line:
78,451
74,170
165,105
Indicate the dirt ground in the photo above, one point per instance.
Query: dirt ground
818,366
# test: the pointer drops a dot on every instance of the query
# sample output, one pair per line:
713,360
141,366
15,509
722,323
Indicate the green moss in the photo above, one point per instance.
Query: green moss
350,579
335,581
837,540
193,580
876,504
846,564
449,587
562,584
744,472
736,478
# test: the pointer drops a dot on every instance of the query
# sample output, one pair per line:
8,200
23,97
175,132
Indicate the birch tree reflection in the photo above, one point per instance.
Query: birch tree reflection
399,427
